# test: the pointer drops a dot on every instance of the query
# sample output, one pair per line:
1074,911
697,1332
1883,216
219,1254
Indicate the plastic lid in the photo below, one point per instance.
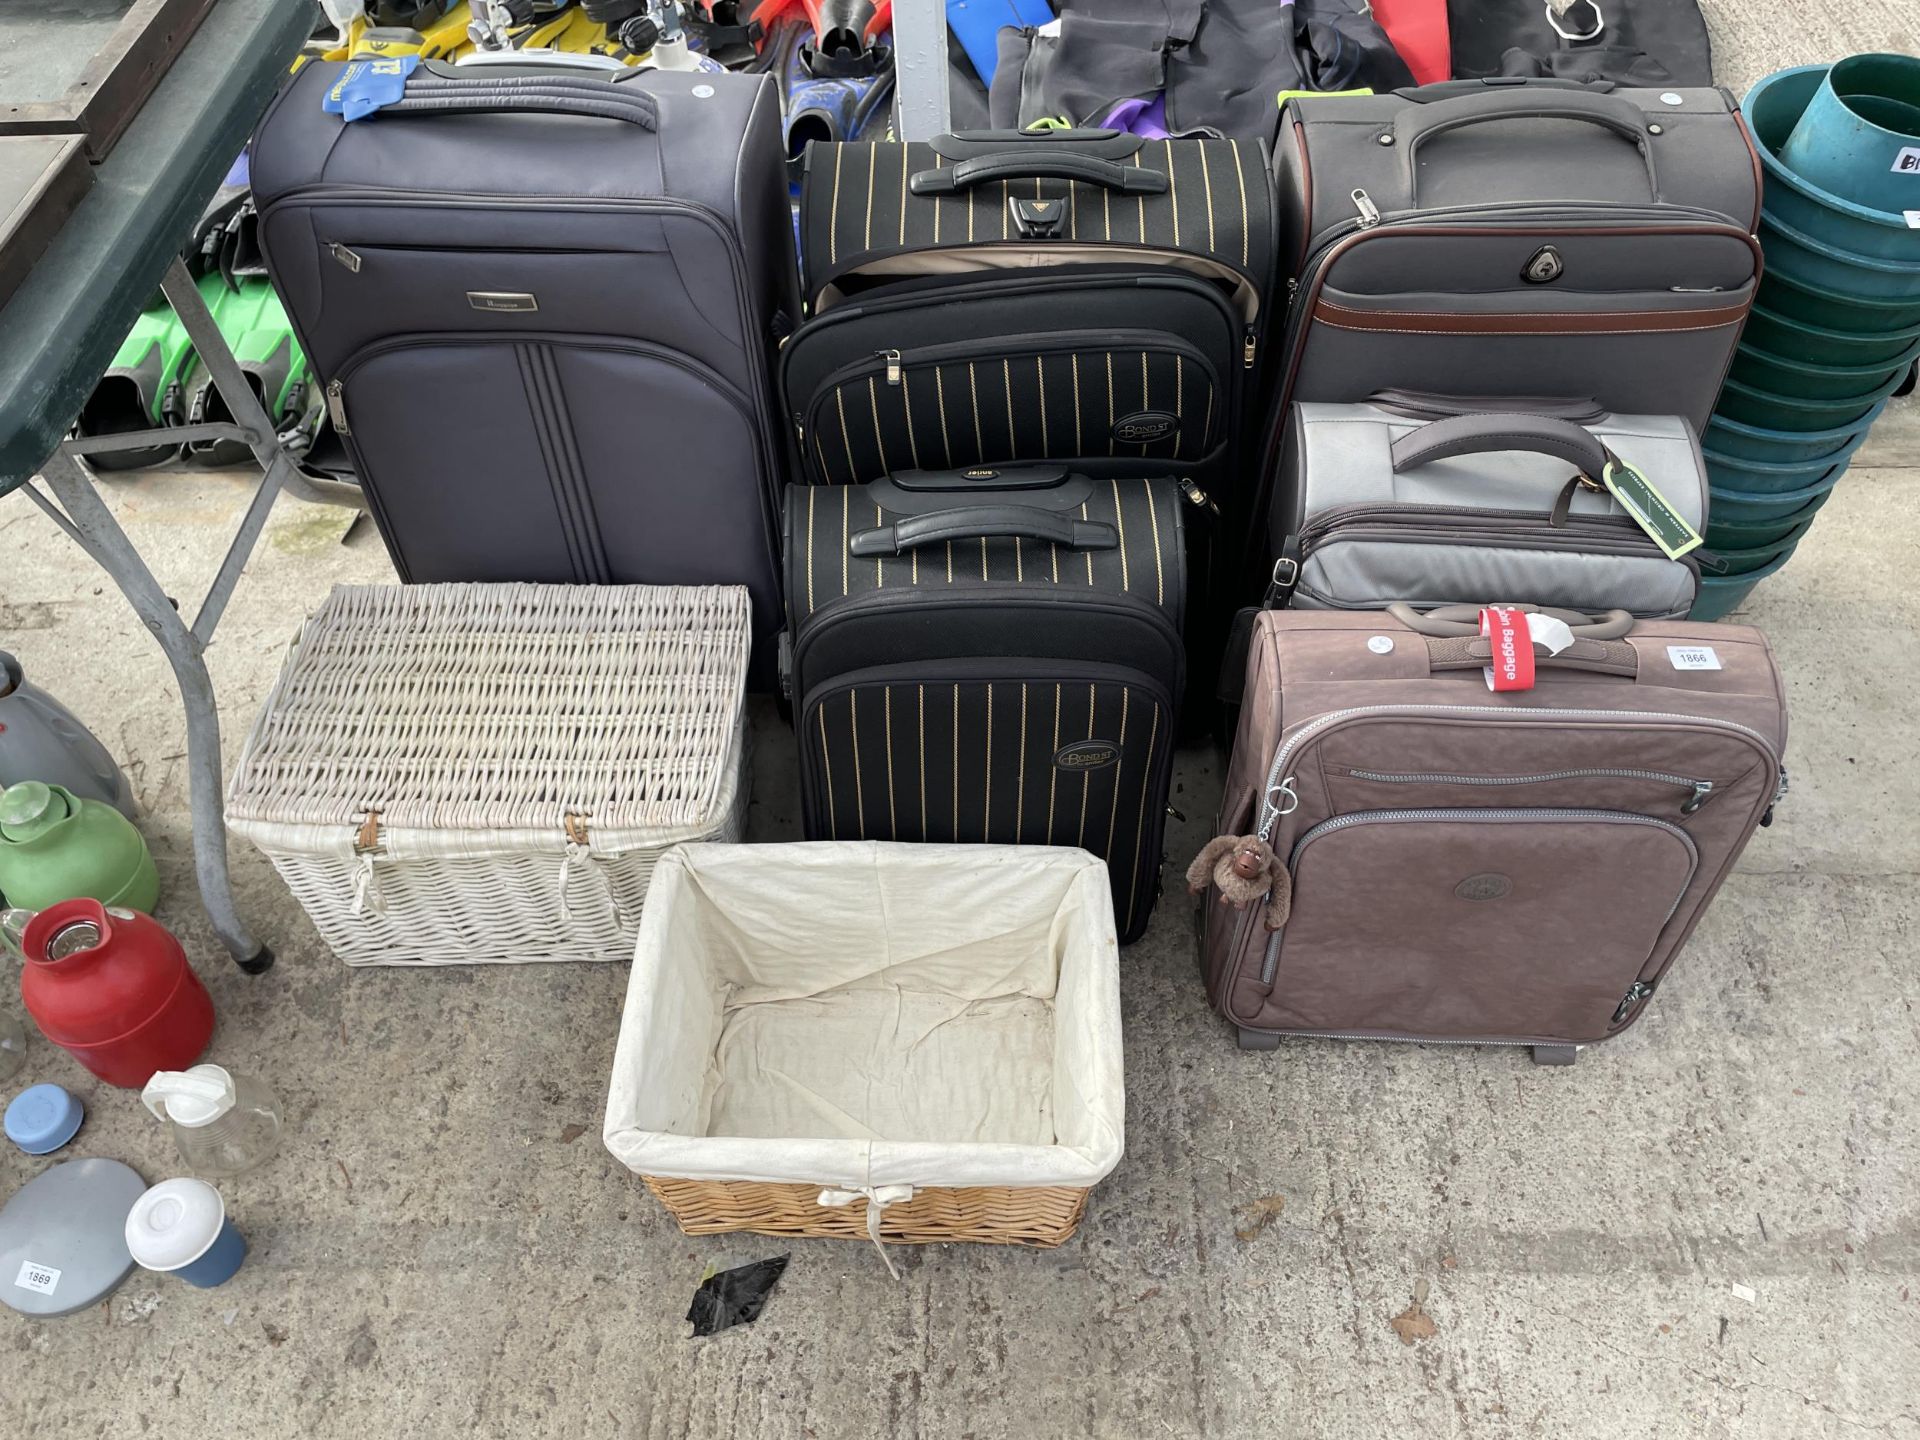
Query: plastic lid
194,1097
29,807
42,1118
63,1241
175,1223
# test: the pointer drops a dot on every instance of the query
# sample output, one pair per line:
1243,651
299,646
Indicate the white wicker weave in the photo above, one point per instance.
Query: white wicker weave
459,774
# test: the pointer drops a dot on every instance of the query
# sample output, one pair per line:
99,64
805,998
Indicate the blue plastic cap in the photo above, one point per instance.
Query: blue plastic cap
42,1118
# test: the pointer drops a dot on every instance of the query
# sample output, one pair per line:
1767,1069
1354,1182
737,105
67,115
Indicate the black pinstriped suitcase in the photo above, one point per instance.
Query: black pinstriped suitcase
1001,297
990,655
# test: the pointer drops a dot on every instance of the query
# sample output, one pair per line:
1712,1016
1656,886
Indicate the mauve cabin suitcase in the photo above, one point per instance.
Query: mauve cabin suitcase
1470,866
544,305
990,656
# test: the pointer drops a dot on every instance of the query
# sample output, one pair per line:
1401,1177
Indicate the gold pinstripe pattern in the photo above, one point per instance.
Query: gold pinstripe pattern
833,211
904,167
940,394
879,561
1140,824
1006,384
1206,180
846,438
1073,208
973,399
1054,550
1120,519
1020,799
812,491
846,533
1087,553
859,790
1159,569
969,199
1040,378
1179,404
1086,777
914,560
986,814
1142,200
983,557
826,762
893,826
1113,812
1053,776
1110,412
1246,223
1006,204
906,402
873,167
939,163
923,761
1106,211
873,408
1173,199
956,762
820,449
1078,448
1146,400
949,562
1206,425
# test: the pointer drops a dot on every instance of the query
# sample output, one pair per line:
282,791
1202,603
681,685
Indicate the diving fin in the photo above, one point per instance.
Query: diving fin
256,329
141,390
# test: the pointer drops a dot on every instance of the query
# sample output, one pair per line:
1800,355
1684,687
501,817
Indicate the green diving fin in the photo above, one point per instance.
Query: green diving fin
256,329
141,390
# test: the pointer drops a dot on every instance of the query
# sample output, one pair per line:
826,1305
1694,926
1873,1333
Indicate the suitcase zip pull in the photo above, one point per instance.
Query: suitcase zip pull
1369,212
345,256
337,407
1636,993
1197,497
1701,790
892,357
1247,348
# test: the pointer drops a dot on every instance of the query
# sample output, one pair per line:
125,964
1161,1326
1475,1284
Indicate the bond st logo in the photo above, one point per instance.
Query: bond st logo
1086,755
1143,427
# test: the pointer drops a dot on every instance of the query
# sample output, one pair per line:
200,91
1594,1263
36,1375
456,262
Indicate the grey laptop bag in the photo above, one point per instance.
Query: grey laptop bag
544,306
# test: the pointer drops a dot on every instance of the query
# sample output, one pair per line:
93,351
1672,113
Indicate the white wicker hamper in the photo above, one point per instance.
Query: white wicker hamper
460,774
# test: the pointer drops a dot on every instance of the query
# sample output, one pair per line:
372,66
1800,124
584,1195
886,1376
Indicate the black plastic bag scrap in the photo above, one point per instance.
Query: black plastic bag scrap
734,1297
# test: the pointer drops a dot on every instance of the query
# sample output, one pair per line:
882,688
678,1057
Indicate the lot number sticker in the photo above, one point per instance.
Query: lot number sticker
1907,162
1693,657
41,1279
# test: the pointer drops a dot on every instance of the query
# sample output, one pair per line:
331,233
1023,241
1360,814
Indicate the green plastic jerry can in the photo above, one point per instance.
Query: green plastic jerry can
56,846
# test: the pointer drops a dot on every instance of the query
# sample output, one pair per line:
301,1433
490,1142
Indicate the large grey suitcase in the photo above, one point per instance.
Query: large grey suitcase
544,306
1378,505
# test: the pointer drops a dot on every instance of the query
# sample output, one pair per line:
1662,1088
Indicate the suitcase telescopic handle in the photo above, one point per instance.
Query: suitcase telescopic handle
1454,641
429,94
983,522
1042,165
1413,125
1488,433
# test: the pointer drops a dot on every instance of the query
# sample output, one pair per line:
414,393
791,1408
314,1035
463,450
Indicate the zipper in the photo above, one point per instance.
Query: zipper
1197,497
892,357
1248,347
1369,212
1280,783
1425,516
337,406
345,256
1636,992
1270,962
1699,790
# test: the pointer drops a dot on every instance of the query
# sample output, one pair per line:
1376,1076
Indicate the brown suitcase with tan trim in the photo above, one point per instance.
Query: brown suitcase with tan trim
1471,867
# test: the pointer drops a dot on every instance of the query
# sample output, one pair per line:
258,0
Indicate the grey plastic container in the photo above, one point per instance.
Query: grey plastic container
40,739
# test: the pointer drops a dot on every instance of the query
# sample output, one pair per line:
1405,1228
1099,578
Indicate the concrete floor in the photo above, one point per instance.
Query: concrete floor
1710,1228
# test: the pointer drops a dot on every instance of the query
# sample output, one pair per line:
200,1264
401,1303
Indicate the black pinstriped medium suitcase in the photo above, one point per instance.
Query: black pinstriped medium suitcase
990,655
999,297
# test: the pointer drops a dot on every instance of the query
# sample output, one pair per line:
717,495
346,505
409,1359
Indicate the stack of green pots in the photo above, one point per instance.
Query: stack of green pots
1836,323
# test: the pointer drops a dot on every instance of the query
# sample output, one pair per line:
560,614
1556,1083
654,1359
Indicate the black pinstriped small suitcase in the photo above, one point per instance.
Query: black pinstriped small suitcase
990,655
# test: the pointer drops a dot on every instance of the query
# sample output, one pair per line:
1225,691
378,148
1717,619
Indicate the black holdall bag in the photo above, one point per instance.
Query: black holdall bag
1081,298
544,305
990,655
1630,42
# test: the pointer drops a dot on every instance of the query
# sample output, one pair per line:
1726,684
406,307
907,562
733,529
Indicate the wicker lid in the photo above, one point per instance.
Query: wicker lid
494,707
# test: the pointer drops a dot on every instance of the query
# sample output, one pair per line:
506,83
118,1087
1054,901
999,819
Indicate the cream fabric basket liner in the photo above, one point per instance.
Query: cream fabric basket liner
461,773
864,1015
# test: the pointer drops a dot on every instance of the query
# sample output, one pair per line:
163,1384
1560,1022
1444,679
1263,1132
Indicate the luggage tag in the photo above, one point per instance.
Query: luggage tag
367,85
1650,510
1514,633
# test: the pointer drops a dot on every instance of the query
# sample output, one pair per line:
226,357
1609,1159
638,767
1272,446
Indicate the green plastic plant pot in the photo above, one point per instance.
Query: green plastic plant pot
1741,507
1763,477
1753,405
1792,252
1798,300
1807,380
1802,340
1724,535
1721,595
1736,440
1858,128
1779,111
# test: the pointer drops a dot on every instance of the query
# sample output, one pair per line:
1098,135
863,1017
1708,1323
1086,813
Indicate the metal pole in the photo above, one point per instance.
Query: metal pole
103,538
920,68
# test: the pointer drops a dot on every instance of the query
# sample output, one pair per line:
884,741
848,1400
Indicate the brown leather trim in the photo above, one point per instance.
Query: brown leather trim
1759,173
1613,322
1306,199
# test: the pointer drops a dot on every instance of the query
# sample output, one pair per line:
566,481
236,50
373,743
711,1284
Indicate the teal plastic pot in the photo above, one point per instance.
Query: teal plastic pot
1752,405
1724,538
1778,110
1857,130
1799,256
1721,595
1763,477
1815,303
1736,440
1806,380
1821,345
1746,561
1744,507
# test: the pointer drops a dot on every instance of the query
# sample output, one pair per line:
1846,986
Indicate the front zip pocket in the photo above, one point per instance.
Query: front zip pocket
1514,924
1009,398
1695,793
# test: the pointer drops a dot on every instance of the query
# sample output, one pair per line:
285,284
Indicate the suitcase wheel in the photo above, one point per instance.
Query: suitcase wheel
1259,1040
1555,1054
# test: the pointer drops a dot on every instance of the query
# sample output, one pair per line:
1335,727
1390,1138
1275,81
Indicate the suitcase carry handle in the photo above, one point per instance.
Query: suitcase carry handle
1418,123
429,94
1454,641
1483,434
1088,169
971,144
983,522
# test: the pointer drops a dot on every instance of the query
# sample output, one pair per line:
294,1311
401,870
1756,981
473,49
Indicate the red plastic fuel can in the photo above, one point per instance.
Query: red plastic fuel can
112,987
